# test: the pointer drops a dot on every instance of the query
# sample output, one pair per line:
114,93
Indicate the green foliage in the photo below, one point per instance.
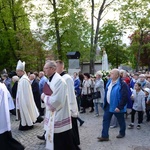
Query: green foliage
110,38
135,15
16,38
145,49
73,27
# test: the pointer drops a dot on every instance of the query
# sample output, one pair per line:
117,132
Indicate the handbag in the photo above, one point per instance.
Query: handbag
96,95
89,97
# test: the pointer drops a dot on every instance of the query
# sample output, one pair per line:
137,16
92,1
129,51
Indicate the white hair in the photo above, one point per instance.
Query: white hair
15,78
99,73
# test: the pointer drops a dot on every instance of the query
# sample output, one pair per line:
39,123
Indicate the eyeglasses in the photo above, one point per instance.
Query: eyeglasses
48,67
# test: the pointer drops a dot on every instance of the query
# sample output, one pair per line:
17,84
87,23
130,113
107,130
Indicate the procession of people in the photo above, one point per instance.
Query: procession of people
56,99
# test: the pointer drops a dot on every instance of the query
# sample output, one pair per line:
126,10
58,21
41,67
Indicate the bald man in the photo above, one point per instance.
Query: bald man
115,101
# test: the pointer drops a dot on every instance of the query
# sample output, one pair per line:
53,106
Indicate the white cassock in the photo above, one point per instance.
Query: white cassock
7,142
25,102
71,95
4,110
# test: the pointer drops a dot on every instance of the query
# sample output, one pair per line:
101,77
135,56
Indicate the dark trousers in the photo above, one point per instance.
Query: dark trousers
64,141
140,116
78,101
106,122
76,138
148,114
7,142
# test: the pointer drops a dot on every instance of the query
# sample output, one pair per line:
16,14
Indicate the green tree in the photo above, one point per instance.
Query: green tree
111,39
145,53
102,10
68,29
15,31
135,14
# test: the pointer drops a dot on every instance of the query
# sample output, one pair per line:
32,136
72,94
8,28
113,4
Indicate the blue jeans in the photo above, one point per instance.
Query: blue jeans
96,107
106,122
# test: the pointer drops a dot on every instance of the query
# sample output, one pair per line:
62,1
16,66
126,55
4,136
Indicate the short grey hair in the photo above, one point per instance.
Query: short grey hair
51,63
33,75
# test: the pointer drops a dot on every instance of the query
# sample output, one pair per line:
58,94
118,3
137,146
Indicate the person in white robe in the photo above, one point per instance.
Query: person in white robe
7,142
57,121
28,112
72,100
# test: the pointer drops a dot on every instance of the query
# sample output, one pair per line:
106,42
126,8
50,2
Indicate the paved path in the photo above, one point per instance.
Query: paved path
134,140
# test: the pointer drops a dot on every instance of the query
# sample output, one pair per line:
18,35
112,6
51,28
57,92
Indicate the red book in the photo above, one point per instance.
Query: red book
47,90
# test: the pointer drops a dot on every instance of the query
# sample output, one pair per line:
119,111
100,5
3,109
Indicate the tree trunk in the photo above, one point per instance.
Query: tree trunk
57,30
92,39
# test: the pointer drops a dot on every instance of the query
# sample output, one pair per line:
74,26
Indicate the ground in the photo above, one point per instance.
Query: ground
91,129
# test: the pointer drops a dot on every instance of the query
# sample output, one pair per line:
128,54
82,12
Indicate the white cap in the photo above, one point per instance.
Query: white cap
20,65
147,90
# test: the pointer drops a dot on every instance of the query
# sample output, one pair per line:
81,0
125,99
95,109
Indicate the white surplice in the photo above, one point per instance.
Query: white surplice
25,102
58,116
4,110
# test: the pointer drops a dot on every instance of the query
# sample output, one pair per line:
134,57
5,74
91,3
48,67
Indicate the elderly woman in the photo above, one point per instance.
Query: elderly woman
142,80
99,86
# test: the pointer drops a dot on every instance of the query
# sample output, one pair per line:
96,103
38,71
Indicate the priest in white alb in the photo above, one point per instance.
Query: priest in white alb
27,111
7,142
57,123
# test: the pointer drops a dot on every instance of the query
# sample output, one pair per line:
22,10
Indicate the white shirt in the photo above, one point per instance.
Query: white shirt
109,90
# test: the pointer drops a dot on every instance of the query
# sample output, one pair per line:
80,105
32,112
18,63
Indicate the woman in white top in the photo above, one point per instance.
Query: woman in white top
86,92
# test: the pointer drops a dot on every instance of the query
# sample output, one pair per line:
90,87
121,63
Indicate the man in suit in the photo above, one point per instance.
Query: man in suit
36,92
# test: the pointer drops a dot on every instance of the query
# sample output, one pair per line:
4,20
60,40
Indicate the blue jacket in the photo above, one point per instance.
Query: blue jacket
118,96
41,83
77,86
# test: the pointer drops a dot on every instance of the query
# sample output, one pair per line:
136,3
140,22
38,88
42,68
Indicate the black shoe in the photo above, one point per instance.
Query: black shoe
119,136
138,127
82,112
81,123
130,126
25,128
91,110
101,139
41,137
13,112
39,119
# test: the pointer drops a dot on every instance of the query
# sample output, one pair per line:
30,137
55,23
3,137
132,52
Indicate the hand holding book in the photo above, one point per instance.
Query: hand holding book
47,90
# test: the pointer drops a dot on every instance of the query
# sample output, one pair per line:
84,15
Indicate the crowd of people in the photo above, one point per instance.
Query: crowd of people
57,99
